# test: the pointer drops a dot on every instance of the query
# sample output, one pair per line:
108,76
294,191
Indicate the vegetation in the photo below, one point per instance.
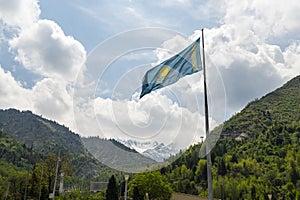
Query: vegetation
25,173
153,184
264,161
246,169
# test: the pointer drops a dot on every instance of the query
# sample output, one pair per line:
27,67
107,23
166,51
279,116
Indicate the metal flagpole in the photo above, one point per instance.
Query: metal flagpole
52,195
208,157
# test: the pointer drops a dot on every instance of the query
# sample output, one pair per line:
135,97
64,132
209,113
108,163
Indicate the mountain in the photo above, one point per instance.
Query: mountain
154,150
160,152
39,133
117,155
43,136
46,136
280,106
257,155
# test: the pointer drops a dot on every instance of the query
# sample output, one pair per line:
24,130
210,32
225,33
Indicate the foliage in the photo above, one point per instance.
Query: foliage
152,183
13,151
13,181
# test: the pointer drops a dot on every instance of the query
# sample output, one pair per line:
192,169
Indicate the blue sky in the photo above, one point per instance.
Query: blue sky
102,19
65,60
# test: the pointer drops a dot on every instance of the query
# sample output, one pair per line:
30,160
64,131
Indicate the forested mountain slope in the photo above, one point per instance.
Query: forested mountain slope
257,155
281,106
39,133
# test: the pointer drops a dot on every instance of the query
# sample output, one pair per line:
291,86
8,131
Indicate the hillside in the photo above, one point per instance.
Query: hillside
44,137
280,106
117,155
16,153
39,133
257,156
29,146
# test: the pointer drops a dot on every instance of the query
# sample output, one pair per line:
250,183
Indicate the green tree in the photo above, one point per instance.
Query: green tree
137,194
222,167
112,189
152,183
201,171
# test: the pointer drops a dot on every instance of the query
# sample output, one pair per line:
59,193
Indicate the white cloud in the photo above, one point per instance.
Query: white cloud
44,49
171,47
12,94
265,19
243,49
280,17
49,97
52,99
153,118
21,13
292,58
41,46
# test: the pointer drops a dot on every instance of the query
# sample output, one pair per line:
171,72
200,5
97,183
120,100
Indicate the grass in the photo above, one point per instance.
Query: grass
181,196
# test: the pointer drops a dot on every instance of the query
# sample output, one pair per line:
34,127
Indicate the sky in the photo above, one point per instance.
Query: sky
81,63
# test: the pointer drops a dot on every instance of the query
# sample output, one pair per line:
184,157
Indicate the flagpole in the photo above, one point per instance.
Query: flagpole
208,156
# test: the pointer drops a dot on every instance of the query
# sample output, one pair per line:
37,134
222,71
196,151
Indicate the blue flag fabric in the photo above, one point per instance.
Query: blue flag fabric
168,72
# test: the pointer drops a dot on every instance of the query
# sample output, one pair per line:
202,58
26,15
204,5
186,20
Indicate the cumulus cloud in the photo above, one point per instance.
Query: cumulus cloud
49,97
40,46
292,57
21,13
52,98
44,49
170,47
251,49
153,118
12,94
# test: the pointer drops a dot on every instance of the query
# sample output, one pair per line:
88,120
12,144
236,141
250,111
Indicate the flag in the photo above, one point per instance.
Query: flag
168,72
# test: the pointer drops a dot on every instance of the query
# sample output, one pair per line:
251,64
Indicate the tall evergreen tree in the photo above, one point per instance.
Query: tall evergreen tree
112,189
221,167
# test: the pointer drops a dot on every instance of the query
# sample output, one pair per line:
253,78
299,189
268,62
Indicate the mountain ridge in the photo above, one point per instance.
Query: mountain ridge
38,132
260,113
45,137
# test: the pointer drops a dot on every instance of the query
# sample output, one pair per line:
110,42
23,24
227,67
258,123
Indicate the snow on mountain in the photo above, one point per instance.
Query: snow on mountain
154,150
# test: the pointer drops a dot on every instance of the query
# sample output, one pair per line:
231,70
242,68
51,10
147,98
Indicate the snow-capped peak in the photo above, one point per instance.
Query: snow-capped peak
152,149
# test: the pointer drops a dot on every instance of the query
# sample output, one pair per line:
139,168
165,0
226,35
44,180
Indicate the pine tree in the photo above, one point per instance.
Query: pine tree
112,189
222,167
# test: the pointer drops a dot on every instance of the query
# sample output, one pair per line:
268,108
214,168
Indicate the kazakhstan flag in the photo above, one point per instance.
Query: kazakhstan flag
168,72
